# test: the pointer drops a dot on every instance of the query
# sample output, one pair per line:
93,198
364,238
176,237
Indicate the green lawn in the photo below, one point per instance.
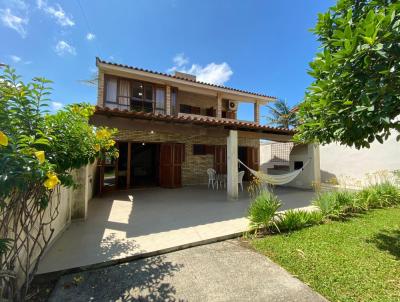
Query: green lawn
355,260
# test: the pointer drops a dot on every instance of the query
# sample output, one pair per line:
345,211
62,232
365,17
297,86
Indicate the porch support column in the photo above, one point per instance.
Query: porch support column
232,165
256,112
219,105
168,100
315,171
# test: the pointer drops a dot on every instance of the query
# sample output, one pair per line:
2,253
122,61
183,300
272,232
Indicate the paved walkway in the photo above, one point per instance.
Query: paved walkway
156,219
224,271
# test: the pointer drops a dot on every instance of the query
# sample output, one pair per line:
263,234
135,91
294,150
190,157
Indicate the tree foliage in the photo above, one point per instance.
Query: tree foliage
355,97
281,115
38,152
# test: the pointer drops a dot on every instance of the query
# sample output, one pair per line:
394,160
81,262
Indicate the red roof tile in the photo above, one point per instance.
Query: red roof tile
180,78
198,120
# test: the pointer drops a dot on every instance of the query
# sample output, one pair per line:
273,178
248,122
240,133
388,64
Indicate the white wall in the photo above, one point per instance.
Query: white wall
344,162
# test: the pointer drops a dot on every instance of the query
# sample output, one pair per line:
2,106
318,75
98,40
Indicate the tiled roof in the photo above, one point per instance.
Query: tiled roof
98,60
193,119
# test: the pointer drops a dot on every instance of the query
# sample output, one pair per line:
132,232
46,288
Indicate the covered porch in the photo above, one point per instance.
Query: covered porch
121,224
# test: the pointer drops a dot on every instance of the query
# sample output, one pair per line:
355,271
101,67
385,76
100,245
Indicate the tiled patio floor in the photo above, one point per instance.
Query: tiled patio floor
156,219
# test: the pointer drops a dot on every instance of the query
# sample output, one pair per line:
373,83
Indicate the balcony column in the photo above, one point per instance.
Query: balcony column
257,112
168,100
232,165
100,90
219,105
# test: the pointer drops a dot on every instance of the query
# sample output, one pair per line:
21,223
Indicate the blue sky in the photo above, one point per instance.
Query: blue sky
260,46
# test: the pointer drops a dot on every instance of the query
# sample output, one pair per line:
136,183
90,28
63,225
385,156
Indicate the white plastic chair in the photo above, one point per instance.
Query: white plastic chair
240,179
212,177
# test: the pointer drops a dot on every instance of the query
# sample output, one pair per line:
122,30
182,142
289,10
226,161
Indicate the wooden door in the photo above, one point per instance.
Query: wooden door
171,159
220,159
253,158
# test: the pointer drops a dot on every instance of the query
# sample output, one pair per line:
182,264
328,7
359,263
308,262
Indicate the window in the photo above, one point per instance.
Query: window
124,94
111,90
173,101
134,95
185,108
137,96
148,101
189,109
199,149
160,100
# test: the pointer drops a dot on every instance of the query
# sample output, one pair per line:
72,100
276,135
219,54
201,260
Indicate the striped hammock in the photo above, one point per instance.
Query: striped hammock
280,179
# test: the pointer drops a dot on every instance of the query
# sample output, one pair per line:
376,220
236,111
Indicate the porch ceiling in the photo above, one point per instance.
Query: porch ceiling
123,119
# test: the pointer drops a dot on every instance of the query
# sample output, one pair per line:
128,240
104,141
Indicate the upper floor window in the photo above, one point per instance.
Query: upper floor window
111,90
134,95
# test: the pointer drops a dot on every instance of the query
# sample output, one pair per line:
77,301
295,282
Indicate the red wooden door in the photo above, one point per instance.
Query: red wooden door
171,158
253,158
220,159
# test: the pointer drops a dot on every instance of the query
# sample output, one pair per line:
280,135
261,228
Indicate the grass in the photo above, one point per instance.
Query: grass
353,260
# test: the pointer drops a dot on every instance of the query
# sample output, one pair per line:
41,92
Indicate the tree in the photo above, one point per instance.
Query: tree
38,152
355,97
281,115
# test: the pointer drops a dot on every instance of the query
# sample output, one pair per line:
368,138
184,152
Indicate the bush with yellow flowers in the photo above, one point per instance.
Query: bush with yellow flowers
38,152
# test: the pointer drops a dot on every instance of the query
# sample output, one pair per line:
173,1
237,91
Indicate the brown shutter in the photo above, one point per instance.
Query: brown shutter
253,158
220,159
171,158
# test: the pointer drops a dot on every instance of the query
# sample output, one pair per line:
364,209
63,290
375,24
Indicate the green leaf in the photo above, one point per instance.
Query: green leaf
369,40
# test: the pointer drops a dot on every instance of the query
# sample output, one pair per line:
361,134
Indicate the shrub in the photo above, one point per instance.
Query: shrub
297,219
333,204
263,210
379,196
38,152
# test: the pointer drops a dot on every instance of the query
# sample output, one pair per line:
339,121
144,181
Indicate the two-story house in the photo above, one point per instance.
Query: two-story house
172,128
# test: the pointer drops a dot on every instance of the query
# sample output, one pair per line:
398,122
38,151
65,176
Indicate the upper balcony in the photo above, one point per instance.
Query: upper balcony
146,91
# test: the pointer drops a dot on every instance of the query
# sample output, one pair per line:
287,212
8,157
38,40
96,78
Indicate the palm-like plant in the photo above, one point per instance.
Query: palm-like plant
281,115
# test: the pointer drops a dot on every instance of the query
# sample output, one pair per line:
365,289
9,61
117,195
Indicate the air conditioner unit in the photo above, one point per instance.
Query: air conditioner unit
233,105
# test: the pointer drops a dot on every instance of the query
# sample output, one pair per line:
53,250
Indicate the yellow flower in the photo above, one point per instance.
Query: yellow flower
97,147
40,156
3,139
109,144
51,181
103,133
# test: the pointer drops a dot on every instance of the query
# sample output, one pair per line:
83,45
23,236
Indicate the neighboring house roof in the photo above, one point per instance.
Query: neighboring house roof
198,120
98,60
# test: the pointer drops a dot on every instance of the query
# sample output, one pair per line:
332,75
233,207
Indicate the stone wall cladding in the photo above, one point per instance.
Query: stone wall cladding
100,89
195,166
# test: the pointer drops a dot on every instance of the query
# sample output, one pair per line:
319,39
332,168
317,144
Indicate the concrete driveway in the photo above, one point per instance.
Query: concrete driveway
224,271
128,223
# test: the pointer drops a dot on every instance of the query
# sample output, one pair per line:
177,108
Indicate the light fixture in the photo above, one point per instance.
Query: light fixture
151,132
143,144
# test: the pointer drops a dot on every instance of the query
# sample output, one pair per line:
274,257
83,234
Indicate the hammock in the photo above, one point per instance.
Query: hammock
275,179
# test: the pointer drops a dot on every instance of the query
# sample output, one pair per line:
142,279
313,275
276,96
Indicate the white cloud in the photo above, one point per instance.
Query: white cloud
17,4
63,48
13,21
180,59
55,106
212,73
15,58
56,12
40,4
90,36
